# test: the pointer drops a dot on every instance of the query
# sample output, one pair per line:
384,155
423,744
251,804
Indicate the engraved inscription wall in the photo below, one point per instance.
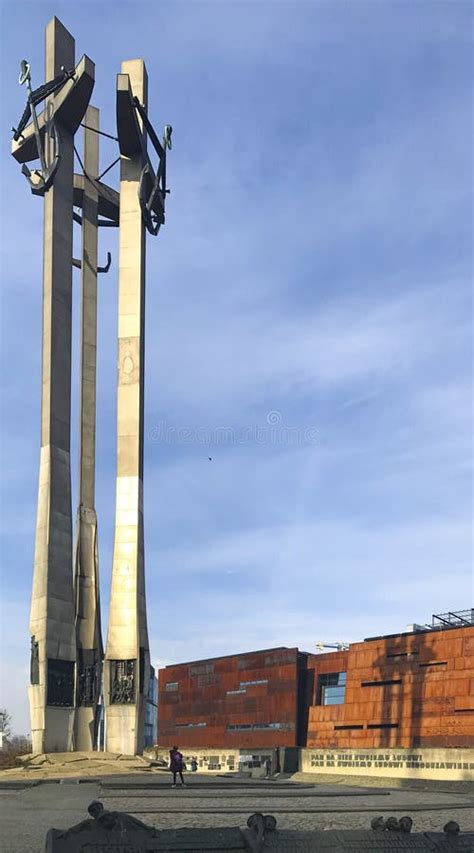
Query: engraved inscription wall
383,760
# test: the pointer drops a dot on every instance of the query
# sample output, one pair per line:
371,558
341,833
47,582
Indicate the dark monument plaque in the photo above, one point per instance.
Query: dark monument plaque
60,683
88,681
141,669
122,681
34,661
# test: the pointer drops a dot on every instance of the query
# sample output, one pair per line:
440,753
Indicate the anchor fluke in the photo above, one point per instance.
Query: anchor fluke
25,74
41,179
167,136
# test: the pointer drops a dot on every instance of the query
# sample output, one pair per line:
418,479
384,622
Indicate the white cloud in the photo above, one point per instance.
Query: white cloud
315,262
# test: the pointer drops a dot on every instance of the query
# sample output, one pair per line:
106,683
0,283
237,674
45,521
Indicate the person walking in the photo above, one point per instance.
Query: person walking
194,764
268,767
176,765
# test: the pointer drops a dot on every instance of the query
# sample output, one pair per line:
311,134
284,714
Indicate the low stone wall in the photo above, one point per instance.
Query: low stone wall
215,760
448,764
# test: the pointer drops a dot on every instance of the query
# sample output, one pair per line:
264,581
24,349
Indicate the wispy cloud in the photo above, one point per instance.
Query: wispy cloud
315,263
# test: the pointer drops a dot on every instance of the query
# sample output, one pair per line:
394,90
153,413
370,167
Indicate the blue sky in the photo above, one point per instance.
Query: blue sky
309,322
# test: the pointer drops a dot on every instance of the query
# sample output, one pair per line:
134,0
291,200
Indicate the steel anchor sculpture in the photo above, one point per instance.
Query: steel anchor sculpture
40,179
152,190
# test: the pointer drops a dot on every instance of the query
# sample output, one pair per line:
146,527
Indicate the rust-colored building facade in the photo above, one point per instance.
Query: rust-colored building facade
414,689
255,699
408,690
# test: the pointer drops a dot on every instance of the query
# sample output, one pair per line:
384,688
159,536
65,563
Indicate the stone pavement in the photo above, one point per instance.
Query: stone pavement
27,813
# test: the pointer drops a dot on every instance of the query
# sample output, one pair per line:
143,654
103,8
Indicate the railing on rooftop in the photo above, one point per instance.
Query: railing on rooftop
459,618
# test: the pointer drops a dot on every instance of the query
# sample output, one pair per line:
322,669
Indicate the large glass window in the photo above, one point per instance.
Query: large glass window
257,726
331,688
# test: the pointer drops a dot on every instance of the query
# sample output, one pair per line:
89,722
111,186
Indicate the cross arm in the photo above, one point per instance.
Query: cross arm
128,129
108,198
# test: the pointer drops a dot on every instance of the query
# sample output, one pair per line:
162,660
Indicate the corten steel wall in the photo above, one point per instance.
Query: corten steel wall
427,699
202,696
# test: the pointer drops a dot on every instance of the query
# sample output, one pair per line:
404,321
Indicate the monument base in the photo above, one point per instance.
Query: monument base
75,765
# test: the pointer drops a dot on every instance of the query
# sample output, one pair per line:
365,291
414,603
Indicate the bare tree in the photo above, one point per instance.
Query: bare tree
5,724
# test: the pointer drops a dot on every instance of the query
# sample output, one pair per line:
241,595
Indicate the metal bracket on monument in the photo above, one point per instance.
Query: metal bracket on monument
78,264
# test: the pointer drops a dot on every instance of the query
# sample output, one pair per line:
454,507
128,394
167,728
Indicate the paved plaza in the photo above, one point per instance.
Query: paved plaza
212,801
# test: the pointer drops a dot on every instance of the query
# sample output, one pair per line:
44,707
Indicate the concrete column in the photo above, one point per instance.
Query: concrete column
127,653
53,652
86,573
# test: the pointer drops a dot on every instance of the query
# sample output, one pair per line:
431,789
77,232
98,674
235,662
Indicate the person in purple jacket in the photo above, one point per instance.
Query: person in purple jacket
176,765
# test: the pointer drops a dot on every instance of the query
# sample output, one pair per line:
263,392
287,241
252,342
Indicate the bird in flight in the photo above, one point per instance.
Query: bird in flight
210,458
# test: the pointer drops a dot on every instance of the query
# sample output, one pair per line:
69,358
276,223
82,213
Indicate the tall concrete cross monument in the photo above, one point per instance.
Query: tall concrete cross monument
142,197
66,643
88,197
49,137
99,206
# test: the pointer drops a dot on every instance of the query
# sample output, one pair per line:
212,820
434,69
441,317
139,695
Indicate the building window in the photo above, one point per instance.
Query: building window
234,692
207,680
190,725
331,688
397,654
251,683
201,669
279,659
248,663
246,727
172,685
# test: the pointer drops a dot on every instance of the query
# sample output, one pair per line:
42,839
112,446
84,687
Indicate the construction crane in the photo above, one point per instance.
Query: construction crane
341,647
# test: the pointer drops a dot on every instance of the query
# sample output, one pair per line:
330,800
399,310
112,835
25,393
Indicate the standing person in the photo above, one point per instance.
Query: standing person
176,765
268,767
194,764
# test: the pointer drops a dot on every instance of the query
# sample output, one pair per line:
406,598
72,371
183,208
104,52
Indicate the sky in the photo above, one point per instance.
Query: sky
309,322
